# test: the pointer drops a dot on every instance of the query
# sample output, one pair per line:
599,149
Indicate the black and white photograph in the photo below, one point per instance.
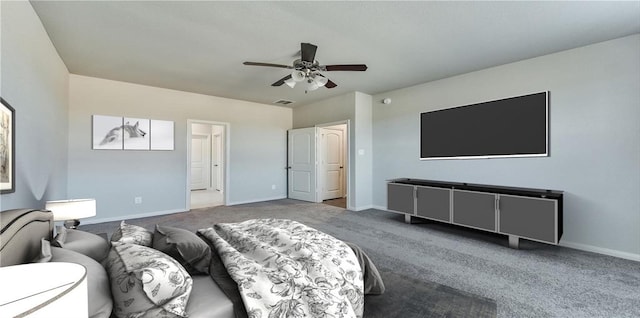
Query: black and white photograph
135,133
107,132
161,135
7,151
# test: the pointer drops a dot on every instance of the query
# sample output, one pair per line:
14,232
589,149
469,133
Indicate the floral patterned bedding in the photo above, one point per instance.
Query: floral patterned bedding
286,269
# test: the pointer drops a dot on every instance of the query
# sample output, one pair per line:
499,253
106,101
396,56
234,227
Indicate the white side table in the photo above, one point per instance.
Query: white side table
52,289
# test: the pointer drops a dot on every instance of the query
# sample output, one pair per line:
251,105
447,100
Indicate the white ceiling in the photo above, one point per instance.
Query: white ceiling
199,46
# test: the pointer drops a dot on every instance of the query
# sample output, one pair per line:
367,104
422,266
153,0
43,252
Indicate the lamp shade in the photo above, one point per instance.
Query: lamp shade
298,76
290,82
44,290
72,209
312,86
320,80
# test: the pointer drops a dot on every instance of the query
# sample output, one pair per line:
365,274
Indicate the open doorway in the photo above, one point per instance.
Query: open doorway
207,164
318,164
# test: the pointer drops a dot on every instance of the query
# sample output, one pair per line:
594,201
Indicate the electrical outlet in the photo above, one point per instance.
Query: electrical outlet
137,200
273,187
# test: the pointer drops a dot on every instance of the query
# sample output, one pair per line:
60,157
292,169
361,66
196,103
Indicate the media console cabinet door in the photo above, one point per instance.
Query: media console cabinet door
400,198
474,209
534,218
433,203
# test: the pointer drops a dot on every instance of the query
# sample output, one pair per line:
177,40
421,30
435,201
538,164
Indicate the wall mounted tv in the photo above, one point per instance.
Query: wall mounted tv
510,127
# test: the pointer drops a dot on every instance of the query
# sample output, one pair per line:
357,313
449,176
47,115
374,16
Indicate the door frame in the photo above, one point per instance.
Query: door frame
347,163
226,131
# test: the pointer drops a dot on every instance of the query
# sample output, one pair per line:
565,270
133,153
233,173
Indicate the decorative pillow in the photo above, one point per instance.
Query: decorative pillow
85,243
100,302
184,246
128,233
45,252
146,282
61,236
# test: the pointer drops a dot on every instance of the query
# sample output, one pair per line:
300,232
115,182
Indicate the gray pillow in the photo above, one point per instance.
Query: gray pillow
146,282
85,243
184,246
129,233
44,254
100,303
61,236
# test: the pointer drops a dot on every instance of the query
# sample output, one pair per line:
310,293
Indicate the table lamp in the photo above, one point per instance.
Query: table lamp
70,211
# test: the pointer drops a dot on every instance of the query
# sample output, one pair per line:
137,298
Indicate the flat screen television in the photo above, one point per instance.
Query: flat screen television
510,127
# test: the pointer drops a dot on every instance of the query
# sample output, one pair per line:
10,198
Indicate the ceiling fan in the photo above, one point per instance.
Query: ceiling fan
307,69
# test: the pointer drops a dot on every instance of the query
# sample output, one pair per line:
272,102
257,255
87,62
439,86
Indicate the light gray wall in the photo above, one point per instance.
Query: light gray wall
594,138
355,107
363,150
257,148
34,81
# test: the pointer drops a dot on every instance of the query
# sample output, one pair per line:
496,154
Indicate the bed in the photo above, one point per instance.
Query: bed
202,288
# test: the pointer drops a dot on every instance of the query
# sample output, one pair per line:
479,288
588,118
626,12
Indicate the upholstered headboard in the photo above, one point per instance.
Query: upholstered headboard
20,233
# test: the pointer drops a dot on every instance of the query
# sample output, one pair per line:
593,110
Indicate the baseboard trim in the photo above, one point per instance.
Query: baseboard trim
256,200
130,216
576,246
362,208
601,250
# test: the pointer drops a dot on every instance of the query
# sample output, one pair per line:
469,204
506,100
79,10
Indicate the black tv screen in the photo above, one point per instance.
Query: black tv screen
516,126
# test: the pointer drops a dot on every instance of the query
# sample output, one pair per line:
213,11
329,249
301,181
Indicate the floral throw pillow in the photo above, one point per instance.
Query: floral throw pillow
129,233
146,282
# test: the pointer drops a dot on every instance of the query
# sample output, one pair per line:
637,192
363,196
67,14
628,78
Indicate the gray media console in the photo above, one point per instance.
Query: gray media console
532,214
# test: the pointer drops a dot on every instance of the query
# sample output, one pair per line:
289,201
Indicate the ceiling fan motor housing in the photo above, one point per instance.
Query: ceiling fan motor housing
306,66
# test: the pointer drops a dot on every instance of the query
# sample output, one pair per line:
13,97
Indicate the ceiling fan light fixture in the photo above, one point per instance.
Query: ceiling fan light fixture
320,80
312,85
290,82
298,75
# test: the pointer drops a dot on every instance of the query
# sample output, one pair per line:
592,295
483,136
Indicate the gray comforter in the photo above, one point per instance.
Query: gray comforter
282,268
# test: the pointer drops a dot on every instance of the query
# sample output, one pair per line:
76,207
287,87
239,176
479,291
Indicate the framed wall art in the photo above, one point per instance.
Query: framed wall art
7,148
161,135
136,133
107,132
128,133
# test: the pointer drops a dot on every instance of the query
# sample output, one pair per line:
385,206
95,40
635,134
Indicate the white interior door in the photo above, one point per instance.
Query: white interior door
200,155
302,164
332,163
216,162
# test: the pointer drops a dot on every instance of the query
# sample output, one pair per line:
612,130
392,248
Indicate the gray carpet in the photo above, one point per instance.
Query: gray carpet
461,270
410,297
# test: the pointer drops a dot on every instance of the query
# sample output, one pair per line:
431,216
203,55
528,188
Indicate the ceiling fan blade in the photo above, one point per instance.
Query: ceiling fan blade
345,67
330,84
267,64
308,52
281,81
